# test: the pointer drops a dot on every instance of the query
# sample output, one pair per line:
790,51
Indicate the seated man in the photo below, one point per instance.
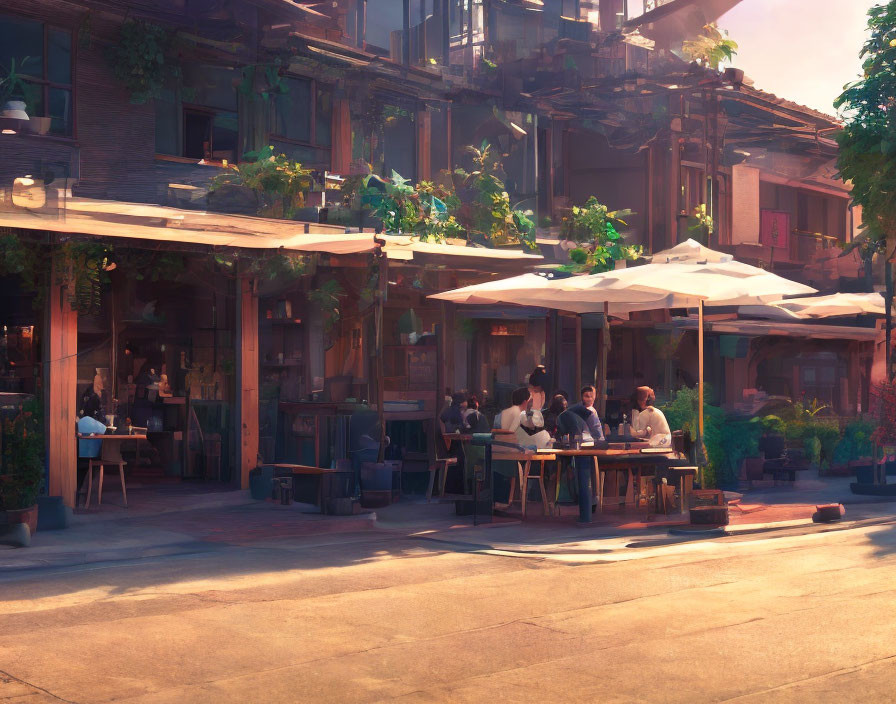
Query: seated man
593,429
650,422
514,417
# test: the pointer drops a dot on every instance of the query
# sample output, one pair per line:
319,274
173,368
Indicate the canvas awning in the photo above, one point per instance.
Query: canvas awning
406,248
814,307
102,218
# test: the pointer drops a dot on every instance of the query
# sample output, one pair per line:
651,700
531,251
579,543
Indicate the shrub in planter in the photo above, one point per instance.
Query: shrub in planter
21,461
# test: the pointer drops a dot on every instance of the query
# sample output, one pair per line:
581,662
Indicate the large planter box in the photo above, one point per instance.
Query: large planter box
28,516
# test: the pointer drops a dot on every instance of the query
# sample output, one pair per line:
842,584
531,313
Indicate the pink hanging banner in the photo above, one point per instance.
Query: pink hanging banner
774,228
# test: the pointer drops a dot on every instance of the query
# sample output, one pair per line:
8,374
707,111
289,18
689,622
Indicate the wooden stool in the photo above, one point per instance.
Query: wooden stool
110,455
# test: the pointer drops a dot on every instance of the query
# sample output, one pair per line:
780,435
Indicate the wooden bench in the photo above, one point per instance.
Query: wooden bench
305,470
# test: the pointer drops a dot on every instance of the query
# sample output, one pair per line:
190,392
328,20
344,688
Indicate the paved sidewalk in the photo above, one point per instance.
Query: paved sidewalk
190,520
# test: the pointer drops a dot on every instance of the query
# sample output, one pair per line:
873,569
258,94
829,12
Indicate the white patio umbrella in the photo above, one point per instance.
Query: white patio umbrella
543,291
813,307
686,276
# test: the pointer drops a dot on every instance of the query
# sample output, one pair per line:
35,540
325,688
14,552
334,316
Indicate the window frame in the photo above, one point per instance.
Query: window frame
212,113
44,83
312,144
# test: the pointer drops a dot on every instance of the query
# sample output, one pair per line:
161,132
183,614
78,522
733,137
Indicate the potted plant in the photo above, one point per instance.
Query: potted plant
21,466
16,94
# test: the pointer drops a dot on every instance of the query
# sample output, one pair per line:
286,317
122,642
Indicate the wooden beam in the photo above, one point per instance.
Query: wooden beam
247,377
424,145
342,137
62,403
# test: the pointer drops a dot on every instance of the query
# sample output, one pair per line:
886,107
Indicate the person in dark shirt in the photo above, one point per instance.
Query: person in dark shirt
558,405
581,419
474,419
453,416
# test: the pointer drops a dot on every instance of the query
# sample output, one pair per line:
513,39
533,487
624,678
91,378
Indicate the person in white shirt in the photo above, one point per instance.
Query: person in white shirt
512,418
649,422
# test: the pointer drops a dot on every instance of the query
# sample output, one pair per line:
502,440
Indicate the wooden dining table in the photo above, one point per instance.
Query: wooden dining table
611,459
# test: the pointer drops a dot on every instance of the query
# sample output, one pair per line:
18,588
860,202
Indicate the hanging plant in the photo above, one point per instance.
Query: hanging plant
269,265
140,59
263,80
327,298
84,266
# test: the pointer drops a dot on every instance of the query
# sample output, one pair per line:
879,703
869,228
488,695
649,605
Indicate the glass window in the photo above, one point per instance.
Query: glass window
60,111
323,118
23,41
26,43
385,23
225,134
400,142
292,110
210,86
166,122
59,56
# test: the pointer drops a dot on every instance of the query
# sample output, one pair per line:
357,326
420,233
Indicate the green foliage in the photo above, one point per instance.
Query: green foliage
22,468
327,298
140,59
13,85
83,266
700,224
802,424
856,441
263,80
397,205
280,182
144,265
488,216
597,227
710,48
728,438
868,140
269,265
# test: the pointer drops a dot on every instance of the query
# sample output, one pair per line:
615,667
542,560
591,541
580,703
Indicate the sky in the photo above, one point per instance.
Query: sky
801,50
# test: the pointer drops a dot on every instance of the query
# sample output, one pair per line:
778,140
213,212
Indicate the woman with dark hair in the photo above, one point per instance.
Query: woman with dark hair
537,381
91,406
558,405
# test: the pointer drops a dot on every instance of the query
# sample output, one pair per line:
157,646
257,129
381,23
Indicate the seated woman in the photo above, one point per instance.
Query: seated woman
558,405
650,423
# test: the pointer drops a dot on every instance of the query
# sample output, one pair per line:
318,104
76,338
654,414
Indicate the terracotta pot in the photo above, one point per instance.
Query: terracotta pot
21,515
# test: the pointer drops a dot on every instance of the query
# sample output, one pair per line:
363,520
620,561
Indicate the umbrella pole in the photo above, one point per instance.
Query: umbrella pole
700,386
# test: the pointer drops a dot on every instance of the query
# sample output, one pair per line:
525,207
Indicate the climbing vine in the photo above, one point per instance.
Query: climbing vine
141,59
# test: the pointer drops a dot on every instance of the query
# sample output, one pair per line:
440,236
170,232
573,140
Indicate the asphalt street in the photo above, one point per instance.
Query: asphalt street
795,615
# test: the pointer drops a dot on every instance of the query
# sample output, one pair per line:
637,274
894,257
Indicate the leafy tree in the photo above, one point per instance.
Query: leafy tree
868,145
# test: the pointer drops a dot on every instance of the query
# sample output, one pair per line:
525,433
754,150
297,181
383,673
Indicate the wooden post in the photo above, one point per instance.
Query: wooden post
700,323
247,378
62,391
575,391
424,145
342,137
382,288
604,347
